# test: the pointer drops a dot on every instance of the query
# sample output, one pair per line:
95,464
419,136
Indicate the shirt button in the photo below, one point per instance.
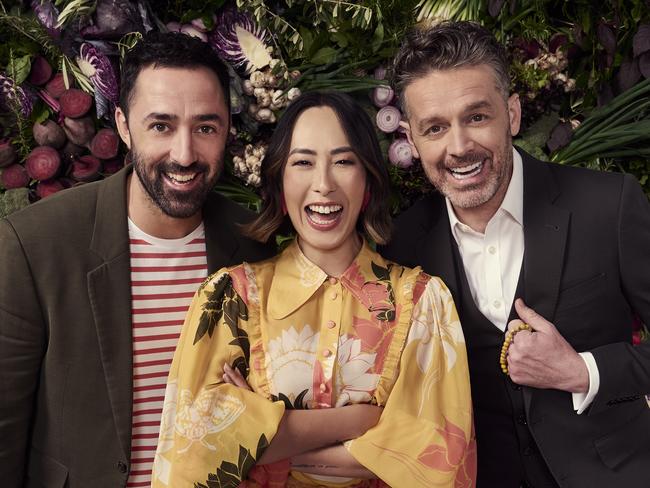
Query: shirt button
334,295
492,250
331,324
521,419
496,304
333,280
322,388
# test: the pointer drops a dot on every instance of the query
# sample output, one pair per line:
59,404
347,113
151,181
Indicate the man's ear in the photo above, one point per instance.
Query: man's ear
122,126
407,129
514,114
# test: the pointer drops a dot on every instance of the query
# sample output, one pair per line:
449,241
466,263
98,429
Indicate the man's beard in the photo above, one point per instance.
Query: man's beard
177,204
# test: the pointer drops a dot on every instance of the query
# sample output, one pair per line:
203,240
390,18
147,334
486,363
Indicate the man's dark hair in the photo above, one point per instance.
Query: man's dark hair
445,46
169,50
375,221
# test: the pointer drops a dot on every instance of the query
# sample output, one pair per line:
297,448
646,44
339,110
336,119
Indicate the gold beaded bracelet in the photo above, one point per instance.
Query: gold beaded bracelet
510,335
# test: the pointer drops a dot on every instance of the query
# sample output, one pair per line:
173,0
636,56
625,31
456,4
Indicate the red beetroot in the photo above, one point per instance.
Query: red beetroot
56,86
79,131
48,187
43,163
49,133
41,71
75,103
14,176
8,154
105,144
71,151
86,168
112,166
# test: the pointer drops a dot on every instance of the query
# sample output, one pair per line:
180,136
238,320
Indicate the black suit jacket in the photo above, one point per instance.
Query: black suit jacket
65,332
586,269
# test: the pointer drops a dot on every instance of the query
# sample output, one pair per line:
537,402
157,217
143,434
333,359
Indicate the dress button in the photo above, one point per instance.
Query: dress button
331,324
322,388
492,250
327,353
521,419
122,467
333,280
334,295
496,304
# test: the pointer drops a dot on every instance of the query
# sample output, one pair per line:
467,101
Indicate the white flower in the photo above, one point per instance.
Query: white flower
291,360
353,382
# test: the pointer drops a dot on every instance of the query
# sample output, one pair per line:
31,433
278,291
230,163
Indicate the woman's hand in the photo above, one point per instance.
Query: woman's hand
234,377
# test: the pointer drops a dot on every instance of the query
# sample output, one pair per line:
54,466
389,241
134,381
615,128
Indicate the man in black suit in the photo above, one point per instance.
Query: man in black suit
565,250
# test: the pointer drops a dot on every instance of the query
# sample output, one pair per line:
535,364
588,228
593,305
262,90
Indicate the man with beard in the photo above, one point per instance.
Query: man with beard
561,249
96,280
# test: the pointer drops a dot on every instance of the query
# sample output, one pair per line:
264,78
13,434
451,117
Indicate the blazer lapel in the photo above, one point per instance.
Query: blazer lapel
220,244
545,233
109,290
434,251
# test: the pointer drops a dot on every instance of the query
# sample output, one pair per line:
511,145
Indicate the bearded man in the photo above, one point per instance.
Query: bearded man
96,280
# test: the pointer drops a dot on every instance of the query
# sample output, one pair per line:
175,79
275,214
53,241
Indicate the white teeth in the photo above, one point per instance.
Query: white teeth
180,178
466,171
322,209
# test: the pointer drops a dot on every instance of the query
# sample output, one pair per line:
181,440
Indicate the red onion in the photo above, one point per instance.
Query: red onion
173,26
380,73
382,95
400,153
388,119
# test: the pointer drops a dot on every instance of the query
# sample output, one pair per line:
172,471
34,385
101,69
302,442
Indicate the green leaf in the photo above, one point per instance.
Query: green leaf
40,114
382,274
19,68
377,38
262,445
324,55
213,308
340,38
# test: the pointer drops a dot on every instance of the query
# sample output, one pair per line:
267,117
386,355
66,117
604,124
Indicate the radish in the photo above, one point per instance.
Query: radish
41,71
86,168
43,163
105,144
49,133
14,176
8,154
75,103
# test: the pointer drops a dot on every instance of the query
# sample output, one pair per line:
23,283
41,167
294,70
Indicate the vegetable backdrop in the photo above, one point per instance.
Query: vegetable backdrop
581,69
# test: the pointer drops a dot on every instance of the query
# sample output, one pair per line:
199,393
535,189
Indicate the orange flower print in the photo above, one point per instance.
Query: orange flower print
448,457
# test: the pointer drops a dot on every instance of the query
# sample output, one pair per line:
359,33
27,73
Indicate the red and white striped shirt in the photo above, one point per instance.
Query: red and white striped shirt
165,273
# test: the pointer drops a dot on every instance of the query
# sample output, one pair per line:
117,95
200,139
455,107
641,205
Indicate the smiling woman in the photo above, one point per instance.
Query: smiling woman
326,365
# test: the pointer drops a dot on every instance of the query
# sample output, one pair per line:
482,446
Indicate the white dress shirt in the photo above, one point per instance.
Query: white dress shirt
492,263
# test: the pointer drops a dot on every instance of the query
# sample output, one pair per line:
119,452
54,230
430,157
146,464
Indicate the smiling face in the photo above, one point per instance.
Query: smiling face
177,127
324,184
461,128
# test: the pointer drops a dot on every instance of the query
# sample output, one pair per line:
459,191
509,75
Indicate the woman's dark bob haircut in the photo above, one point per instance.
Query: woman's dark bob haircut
375,221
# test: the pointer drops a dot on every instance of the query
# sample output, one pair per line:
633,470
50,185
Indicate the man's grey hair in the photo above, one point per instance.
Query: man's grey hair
445,46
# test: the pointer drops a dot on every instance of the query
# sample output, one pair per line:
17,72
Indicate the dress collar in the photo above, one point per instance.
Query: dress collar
296,279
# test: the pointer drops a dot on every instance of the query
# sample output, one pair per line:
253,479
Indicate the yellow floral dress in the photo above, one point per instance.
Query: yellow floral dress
381,334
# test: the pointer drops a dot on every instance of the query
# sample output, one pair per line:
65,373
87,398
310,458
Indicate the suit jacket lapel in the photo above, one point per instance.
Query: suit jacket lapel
545,233
434,251
220,244
109,292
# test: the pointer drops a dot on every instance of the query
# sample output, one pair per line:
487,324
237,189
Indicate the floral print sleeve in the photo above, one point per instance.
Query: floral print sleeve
425,435
212,433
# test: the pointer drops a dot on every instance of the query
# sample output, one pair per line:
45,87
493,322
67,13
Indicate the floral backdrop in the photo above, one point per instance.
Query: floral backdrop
582,69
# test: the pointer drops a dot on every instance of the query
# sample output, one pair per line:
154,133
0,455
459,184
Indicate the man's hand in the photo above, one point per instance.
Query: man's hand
543,358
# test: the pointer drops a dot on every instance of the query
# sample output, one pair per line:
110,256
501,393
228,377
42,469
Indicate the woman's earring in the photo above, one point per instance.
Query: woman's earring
366,201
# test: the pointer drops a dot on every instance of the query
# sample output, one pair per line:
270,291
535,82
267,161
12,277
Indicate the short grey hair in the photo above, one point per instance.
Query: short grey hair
449,45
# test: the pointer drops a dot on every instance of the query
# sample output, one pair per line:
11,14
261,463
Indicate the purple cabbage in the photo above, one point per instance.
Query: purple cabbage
47,14
96,66
11,93
240,41
113,19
